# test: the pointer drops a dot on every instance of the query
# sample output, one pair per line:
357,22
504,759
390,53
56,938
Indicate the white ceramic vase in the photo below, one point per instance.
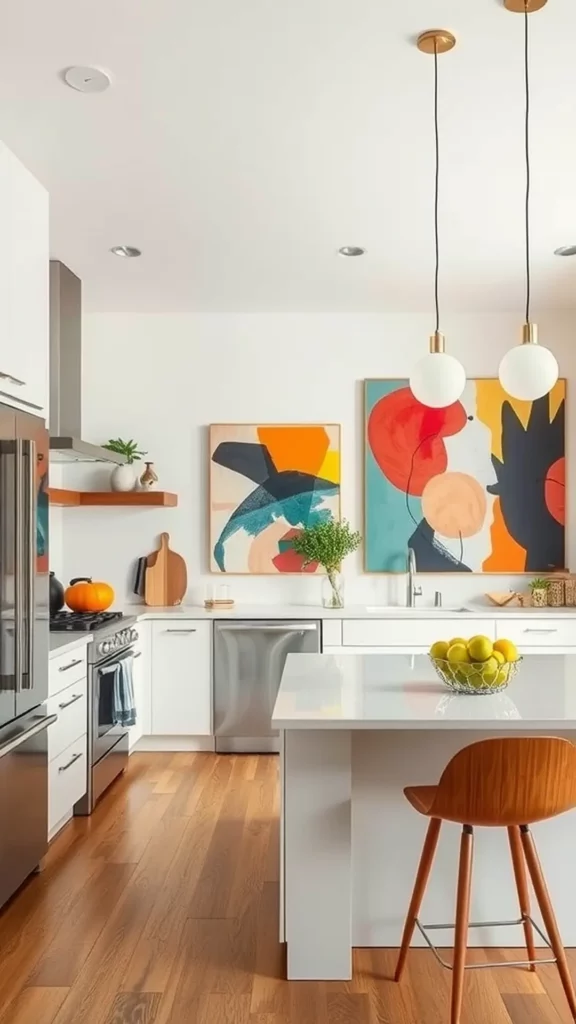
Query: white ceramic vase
123,478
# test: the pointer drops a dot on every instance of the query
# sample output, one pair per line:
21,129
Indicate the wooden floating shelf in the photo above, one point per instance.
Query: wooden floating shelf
135,499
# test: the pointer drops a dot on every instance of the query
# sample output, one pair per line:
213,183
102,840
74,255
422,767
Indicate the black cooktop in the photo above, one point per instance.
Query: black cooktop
77,622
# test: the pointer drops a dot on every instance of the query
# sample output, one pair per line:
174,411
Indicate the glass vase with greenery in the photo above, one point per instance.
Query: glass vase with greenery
539,588
328,544
129,449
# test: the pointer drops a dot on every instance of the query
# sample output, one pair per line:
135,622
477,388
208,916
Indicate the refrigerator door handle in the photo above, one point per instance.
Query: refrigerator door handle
17,741
29,561
18,566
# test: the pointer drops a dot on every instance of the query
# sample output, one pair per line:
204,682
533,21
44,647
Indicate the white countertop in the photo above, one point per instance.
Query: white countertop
471,610
61,643
384,691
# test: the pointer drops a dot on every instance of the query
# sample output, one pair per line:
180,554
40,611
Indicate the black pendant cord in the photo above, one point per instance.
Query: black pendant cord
436,189
527,153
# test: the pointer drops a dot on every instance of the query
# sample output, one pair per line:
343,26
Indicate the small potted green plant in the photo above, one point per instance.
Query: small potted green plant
328,544
123,478
539,588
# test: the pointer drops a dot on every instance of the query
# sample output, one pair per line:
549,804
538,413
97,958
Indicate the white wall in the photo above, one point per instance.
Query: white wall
163,378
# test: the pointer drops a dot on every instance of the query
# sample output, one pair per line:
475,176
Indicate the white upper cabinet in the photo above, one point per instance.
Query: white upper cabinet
181,678
24,276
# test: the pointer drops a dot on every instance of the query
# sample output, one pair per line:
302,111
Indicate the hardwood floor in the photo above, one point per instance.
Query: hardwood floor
162,909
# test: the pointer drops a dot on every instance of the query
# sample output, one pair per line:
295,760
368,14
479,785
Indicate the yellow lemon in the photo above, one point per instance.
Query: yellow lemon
480,648
456,640
439,650
499,656
502,676
507,649
458,654
489,671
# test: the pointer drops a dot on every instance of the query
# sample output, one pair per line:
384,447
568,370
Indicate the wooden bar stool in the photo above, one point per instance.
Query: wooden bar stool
511,783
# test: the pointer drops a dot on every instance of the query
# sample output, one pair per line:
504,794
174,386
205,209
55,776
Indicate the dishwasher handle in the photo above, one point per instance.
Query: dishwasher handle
292,627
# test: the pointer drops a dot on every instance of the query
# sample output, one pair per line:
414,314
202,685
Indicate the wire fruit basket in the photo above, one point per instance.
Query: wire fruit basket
477,677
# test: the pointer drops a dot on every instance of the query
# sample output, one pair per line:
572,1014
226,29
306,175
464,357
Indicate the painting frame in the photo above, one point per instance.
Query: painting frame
425,572
337,427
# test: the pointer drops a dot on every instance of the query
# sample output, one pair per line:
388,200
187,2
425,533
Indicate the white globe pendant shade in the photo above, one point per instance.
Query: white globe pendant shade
528,371
438,380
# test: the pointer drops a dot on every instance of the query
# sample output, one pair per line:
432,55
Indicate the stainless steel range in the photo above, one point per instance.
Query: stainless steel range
107,742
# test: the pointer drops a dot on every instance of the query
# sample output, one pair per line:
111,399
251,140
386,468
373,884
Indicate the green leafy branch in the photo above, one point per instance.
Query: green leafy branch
129,449
327,543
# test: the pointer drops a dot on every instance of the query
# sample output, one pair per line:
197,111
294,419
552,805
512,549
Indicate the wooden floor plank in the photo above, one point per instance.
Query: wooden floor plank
162,908
34,1006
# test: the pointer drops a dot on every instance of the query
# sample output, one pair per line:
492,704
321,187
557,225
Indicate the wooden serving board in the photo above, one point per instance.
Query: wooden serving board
166,577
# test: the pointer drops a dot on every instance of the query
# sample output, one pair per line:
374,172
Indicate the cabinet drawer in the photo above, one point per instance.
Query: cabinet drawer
543,632
410,632
70,706
66,781
65,669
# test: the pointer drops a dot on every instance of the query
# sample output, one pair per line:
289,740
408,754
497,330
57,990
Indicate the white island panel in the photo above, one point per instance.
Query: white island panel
360,728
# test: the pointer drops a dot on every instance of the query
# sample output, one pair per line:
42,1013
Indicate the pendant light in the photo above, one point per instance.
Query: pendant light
438,379
528,371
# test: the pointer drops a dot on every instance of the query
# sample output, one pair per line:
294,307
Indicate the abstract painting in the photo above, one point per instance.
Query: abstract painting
476,487
267,483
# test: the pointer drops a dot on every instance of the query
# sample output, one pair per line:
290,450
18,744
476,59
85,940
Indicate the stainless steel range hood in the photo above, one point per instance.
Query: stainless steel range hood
66,444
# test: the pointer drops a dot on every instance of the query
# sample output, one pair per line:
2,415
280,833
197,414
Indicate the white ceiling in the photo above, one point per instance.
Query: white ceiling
243,142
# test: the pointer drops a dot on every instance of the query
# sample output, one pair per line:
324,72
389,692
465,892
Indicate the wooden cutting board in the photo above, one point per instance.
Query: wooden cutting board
166,576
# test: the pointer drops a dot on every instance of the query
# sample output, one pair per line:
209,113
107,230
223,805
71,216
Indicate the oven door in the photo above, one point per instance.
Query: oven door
105,732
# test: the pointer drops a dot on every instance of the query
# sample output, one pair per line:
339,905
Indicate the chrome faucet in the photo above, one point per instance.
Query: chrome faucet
412,592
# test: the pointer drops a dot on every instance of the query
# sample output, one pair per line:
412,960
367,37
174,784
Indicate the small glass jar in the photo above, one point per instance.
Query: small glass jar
333,589
570,592
555,593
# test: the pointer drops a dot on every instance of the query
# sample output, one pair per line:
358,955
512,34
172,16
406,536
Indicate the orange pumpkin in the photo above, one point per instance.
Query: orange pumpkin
83,595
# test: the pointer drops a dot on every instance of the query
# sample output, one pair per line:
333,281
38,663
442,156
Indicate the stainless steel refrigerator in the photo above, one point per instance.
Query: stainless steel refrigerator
24,646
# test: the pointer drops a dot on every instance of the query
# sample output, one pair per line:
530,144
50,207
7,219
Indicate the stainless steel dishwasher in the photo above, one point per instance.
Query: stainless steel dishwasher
249,658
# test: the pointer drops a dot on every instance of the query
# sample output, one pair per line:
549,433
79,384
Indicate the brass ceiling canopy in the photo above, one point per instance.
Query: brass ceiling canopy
519,6
438,40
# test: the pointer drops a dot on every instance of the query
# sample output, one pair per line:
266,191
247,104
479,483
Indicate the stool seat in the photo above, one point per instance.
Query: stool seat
421,798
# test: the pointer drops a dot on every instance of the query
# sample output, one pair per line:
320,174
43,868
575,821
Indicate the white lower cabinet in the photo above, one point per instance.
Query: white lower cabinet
67,745
66,783
142,686
181,678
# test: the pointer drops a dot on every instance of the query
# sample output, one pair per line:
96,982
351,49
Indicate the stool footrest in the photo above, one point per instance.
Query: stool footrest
425,928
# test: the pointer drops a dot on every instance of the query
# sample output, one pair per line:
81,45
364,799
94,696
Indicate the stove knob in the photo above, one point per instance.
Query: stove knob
133,634
104,647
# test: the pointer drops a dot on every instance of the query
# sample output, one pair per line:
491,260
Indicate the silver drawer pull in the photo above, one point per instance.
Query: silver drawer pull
73,759
21,401
77,696
71,664
138,655
180,630
540,630
12,379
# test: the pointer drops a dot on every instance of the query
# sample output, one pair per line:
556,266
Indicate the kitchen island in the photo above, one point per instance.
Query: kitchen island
357,729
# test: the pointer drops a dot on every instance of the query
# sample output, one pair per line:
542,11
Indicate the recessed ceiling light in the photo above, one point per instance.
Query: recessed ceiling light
565,250
129,252
351,250
87,79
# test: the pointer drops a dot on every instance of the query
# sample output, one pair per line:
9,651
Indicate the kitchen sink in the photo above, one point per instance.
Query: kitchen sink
420,610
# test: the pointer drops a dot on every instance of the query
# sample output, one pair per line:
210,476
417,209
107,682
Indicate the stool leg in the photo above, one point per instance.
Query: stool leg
543,897
548,915
462,916
420,884
522,887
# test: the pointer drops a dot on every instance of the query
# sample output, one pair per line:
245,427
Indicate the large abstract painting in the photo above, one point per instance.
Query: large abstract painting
476,487
266,484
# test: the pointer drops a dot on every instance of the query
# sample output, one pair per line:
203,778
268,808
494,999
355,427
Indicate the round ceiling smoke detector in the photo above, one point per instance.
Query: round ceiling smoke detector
351,250
129,252
87,79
